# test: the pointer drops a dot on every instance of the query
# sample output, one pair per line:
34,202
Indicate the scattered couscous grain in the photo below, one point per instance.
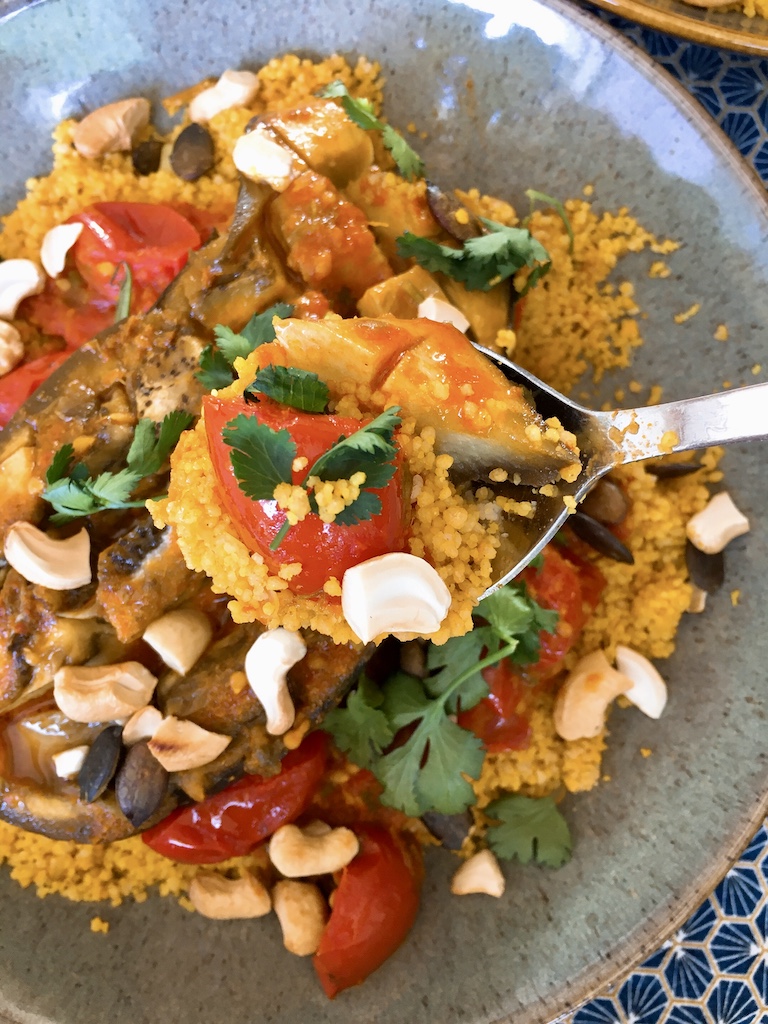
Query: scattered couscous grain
646,751
681,318
735,598
98,925
721,333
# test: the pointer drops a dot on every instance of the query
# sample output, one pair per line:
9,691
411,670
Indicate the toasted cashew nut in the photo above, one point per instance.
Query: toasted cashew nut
717,524
225,899
583,700
480,873
11,347
262,156
56,244
302,913
18,280
111,129
297,854
179,637
267,663
179,744
55,564
394,593
233,89
142,725
648,691
102,693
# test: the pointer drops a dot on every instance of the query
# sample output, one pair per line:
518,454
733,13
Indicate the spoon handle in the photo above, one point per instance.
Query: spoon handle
738,415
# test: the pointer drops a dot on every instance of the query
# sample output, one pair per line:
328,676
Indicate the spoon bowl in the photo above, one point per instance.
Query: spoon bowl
617,437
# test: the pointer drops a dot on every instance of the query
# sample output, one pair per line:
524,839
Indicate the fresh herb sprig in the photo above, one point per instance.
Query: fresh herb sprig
263,457
541,197
428,771
361,111
300,389
217,360
529,828
482,262
123,305
73,492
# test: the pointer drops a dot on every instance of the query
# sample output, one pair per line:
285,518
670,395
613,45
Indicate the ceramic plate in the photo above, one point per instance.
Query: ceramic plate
732,30
558,102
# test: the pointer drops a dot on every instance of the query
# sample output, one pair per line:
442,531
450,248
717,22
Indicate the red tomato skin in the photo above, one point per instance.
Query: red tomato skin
374,908
496,719
19,384
324,549
233,822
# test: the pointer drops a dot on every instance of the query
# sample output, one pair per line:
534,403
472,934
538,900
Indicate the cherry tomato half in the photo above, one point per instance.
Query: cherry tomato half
233,822
18,385
496,719
152,238
324,549
374,908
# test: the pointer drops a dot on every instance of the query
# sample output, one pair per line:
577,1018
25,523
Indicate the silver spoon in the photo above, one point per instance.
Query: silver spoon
621,436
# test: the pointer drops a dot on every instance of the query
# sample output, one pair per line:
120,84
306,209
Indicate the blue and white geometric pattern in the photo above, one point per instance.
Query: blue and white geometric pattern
732,87
714,970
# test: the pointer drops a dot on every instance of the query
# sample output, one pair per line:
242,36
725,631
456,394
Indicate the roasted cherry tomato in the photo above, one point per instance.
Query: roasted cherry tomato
374,908
323,549
233,822
18,385
557,585
496,719
153,239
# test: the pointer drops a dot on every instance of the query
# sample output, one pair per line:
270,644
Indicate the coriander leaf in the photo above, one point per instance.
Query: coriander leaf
215,372
484,261
260,330
453,753
371,444
529,828
172,427
397,772
150,449
360,729
142,445
404,700
409,163
557,206
365,506
261,458
460,655
300,389
123,305
231,344
60,464
113,490
508,611
69,500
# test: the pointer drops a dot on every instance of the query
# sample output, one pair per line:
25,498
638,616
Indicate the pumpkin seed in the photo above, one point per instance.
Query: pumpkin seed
192,153
450,829
606,502
141,784
100,763
707,572
444,206
672,470
600,538
146,156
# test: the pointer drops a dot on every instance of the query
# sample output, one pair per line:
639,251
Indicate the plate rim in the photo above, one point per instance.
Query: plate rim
678,23
649,934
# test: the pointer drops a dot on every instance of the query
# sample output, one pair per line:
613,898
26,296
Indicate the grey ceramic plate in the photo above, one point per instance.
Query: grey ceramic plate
558,102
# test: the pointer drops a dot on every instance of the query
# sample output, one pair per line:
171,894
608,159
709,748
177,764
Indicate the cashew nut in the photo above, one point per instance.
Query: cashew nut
298,854
442,312
225,899
51,563
583,700
67,763
648,691
142,725
716,525
233,89
18,280
179,744
111,129
102,693
261,156
180,637
395,593
302,913
11,347
480,873
267,663
56,244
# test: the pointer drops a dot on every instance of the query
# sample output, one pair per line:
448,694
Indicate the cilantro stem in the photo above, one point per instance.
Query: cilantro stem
280,536
490,659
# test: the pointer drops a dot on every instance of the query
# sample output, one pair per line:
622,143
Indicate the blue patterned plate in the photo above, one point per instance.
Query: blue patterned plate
558,101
